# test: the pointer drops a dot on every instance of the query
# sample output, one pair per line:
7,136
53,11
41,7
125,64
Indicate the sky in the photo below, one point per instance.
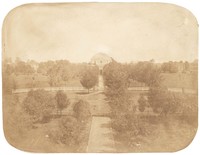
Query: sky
77,31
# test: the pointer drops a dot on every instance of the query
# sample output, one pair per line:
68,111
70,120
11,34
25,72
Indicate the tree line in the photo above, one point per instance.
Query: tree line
40,106
127,122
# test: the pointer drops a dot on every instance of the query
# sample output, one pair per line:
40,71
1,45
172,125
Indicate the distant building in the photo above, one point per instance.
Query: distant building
100,59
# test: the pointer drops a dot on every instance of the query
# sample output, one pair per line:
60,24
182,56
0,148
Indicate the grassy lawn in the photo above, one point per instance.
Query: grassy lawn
27,81
36,139
173,80
177,80
38,80
164,135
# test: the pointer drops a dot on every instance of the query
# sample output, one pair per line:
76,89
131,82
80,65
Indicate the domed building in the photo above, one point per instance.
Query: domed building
100,59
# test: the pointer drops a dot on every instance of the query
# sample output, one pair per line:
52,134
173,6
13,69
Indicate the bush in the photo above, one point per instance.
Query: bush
17,123
39,104
66,133
82,110
162,101
61,100
89,78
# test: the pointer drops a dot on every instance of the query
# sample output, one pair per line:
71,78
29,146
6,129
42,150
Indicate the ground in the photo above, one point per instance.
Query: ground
26,81
177,80
99,135
171,80
165,135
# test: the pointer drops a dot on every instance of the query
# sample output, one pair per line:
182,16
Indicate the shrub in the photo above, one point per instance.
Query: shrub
39,104
82,110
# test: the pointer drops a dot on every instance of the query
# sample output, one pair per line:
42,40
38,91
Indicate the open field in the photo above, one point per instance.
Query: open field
40,81
171,80
177,80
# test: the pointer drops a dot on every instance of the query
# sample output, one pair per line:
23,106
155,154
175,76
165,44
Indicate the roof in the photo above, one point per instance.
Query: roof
101,56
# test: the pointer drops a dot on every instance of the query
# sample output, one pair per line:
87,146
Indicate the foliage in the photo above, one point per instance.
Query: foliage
170,67
61,100
142,103
44,67
22,67
16,122
115,78
82,110
90,77
59,71
188,108
130,129
71,130
162,101
66,133
148,73
8,81
39,104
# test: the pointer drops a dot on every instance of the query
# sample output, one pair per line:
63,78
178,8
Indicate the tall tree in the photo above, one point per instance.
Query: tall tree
82,110
22,67
115,78
61,101
148,73
89,78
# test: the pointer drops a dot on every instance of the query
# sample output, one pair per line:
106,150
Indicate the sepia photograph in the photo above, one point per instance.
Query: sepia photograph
100,77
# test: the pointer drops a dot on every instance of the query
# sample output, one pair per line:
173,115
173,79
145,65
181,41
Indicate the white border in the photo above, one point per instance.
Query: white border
7,5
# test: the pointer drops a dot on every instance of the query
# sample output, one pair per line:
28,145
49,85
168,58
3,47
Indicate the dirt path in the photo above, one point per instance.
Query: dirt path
101,136
101,83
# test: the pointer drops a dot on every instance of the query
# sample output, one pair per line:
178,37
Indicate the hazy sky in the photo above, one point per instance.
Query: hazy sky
126,32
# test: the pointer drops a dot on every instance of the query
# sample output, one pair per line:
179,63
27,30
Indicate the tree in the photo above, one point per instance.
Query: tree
8,80
43,67
170,67
142,103
89,78
186,66
39,104
22,67
17,123
82,110
59,72
67,132
162,101
148,73
115,78
61,100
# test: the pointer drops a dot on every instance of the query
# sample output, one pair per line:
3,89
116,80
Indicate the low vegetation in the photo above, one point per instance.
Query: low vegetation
140,121
137,124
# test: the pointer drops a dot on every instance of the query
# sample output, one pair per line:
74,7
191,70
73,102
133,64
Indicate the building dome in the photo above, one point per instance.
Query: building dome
101,59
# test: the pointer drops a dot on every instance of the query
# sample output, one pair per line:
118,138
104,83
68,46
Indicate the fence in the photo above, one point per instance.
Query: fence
81,89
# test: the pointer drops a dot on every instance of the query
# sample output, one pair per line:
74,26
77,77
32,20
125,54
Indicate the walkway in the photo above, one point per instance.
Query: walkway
101,136
100,88
101,83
